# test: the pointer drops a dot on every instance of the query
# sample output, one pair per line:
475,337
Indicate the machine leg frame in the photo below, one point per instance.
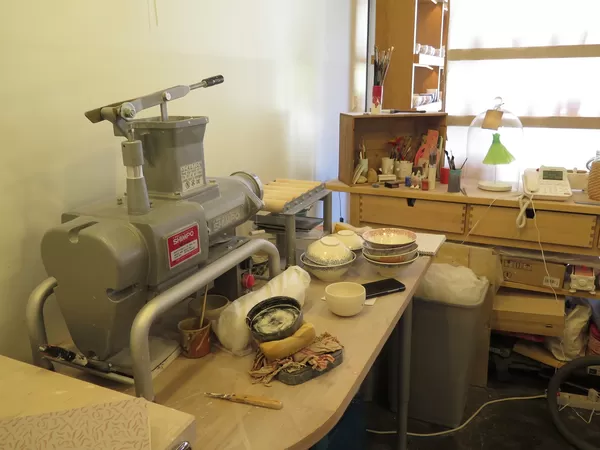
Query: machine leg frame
140,330
404,334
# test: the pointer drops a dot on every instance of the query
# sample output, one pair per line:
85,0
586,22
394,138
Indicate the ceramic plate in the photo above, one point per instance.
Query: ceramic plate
377,263
389,237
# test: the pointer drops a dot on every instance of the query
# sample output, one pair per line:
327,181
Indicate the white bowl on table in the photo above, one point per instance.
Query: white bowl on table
327,273
328,251
350,239
389,270
345,299
389,237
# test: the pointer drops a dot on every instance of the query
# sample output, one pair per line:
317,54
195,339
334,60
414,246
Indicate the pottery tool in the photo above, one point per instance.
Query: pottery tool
463,164
203,306
263,402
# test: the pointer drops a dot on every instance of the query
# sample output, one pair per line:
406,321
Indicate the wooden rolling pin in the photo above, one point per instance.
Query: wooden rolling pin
274,205
285,188
278,195
263,402
307,182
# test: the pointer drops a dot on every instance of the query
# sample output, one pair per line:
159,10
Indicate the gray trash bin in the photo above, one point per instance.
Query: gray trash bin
443,347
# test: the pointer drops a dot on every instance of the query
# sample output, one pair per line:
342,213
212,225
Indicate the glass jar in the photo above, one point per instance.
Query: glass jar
494,146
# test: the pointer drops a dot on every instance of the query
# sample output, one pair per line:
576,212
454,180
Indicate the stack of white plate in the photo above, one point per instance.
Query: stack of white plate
390,249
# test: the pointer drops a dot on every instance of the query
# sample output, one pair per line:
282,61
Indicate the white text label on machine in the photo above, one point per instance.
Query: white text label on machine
183,245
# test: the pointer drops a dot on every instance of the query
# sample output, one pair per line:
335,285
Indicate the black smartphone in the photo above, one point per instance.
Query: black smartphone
383,287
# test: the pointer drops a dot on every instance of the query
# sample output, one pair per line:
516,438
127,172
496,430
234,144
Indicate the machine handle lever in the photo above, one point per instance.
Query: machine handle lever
208,82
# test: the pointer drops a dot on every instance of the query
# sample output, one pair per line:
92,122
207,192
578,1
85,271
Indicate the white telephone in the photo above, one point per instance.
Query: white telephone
547,183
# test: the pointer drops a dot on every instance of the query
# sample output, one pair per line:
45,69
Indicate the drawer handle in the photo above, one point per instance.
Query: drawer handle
530,213
411,202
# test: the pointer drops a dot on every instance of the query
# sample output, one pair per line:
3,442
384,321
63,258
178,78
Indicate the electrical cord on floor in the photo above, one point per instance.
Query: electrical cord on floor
454,430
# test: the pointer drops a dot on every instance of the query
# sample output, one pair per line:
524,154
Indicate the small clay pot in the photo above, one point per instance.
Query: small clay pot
194,340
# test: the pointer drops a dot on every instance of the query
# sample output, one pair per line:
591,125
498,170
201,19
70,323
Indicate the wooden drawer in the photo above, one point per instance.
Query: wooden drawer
555,228
424,214
526,312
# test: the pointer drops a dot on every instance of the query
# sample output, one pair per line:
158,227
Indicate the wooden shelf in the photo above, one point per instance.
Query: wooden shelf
580,123
547,290
430,107
428,60
538,353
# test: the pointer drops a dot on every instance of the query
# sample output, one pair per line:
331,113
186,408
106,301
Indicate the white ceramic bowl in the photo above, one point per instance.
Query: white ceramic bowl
215,304
389,270
391,258
350,239
327,273
389,237
328,251
345,299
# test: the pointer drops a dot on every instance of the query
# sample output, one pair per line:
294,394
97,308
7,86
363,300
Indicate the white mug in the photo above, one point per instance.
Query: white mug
387,166
405,169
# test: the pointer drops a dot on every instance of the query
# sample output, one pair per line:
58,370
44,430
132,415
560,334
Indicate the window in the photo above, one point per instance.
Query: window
543,59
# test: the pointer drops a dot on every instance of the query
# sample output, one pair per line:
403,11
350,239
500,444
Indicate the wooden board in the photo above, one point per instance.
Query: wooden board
28,390
527,312
310,410
538,353
124,426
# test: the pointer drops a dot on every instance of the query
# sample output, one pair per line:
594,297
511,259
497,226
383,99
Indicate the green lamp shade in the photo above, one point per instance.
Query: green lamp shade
497,154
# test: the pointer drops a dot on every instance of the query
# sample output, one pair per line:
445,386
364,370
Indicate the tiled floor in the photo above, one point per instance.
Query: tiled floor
512,425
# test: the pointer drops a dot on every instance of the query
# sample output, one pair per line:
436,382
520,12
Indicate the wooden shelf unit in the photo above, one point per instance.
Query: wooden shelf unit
376,131
402,24
430,107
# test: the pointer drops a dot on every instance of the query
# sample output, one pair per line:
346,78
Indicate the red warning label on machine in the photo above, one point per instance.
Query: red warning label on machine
183,245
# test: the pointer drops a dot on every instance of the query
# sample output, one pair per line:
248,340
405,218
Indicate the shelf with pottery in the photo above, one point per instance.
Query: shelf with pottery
408,25
430,107
377,133
429,60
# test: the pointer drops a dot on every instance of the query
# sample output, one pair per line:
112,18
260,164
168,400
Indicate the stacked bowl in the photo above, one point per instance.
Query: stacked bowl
328,259
390,249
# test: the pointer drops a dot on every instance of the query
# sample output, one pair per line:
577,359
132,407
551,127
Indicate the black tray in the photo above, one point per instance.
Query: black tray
308,373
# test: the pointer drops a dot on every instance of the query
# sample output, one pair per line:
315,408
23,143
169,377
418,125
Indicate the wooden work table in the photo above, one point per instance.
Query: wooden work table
479,216
311,409
29,390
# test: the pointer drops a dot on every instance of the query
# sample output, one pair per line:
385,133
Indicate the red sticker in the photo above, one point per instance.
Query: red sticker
183,245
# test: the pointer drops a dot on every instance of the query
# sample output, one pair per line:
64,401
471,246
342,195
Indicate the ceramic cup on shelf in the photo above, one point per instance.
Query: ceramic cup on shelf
377,100
444,175
364,163
405,169
397,170
387,166
454,180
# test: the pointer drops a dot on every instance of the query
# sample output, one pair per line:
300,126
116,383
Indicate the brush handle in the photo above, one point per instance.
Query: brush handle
263,402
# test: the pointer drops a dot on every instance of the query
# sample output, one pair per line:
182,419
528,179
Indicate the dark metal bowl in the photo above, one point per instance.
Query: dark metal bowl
269,304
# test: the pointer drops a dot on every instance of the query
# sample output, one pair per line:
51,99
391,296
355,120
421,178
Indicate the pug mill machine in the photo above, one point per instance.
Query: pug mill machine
116,267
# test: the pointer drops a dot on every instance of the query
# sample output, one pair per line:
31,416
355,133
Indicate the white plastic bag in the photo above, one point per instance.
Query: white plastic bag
454,285
231,327
573,341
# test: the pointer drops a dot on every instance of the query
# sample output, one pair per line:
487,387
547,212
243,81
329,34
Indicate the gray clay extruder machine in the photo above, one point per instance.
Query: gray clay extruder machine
118,266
